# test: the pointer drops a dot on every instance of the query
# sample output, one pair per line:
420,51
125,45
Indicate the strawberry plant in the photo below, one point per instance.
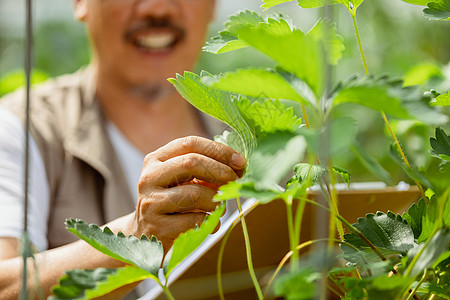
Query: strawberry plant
386,255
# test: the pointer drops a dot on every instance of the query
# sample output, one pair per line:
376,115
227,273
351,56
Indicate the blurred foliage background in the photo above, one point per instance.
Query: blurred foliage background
397,39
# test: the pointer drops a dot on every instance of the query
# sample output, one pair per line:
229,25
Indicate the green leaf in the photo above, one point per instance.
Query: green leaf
333,44
299,86
419,107
187,242
438,10
228,39
439,244
417,2
274,158
372,261
216,103
266,117
414,217
212,101
317,3
144,253
309,172
271,161
247,190
352,5
371,164
296,52
440,144
443,260
438,207
333,139
411,172
355,287
437,176
245,118
389,96
313,173
257,83
344,174
243,19
231,139
300,284
270,3
440,290
421,73
90,284
223,43
262,117
440,283
443,100
387,287
388,231
372,93
377,288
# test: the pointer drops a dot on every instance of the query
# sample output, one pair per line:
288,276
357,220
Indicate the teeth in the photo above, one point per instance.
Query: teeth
157,41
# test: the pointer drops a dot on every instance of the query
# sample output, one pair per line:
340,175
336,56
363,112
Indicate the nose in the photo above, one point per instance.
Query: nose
157,8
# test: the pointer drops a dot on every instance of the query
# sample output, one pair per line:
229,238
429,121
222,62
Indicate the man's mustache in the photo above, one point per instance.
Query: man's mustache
154,23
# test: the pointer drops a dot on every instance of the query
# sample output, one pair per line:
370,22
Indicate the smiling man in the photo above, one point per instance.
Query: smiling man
90,133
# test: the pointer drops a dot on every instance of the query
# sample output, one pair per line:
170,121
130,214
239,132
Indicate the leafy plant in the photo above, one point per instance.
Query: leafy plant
144,258
395,256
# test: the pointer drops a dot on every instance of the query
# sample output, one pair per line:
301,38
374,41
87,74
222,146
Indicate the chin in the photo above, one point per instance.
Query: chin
152,92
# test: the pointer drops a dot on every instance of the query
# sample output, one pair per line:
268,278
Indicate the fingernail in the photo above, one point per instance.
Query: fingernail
238,160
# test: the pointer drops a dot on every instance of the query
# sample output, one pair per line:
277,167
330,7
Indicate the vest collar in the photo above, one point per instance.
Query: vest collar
89,141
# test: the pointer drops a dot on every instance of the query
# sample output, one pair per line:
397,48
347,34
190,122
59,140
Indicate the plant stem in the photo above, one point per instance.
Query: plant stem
40,291
219,263
292,238
222,249
334,206
363,57
298,224
402,154
305,117
167,292
249,253
422,280
386,121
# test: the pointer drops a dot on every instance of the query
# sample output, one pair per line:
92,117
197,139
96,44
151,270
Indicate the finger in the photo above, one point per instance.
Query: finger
213,186
184,168
182,199
206,147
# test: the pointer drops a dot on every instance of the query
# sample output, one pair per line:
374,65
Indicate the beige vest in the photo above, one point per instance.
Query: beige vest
85,177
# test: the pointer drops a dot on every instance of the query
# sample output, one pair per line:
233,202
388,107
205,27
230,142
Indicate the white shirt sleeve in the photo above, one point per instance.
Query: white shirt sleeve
12,144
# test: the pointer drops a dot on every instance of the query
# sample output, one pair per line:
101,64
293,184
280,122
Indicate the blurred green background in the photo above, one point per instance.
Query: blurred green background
397,39
395,36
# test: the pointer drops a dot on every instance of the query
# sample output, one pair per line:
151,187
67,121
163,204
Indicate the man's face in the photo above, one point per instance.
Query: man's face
143,42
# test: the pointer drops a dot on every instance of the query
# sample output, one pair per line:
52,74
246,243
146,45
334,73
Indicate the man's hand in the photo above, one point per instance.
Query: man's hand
177,184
